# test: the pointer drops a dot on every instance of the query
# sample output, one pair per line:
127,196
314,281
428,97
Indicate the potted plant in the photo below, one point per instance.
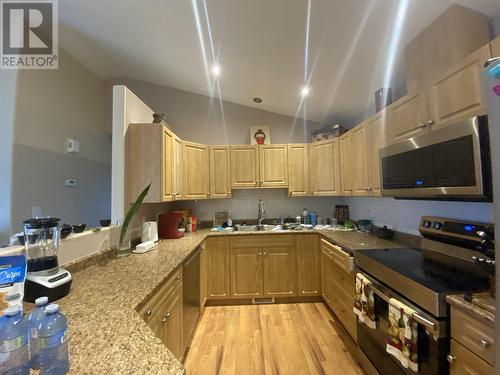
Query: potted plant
123,248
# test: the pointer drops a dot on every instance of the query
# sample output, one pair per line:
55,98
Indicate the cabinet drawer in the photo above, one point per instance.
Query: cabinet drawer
343,259
344,281
259,241
475,335
464,362
152,306
341,305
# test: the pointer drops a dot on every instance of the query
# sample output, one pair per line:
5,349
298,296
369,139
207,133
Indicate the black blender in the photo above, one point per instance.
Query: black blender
44,277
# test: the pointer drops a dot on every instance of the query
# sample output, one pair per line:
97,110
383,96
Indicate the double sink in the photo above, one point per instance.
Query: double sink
258,228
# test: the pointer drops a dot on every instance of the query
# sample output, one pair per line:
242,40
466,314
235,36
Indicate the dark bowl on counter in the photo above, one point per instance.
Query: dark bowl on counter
65,230
105,222
79,228
32,238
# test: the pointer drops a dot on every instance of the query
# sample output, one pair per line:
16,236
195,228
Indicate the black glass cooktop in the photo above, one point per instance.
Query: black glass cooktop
436,276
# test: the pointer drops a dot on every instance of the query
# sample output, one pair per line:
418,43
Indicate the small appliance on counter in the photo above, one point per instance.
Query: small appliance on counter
365,226
44,276
168,225
149,231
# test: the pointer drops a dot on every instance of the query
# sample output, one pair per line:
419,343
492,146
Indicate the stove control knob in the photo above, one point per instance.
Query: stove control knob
437,225
427,223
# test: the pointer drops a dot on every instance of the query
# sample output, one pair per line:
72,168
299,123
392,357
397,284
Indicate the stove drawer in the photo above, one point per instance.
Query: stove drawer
343,259
474,334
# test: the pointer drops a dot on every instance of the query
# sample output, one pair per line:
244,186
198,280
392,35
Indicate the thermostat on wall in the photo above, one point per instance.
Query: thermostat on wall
73,146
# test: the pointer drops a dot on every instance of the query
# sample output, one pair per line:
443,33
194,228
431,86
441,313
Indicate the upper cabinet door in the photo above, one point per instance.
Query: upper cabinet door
298,170
359,158
458,94
220,172
408,117
177,191
375,135
244,167
495,47
324,168
196,158
273,166
345,164
168,165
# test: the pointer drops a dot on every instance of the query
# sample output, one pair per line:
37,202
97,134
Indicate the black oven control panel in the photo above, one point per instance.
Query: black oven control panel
452,228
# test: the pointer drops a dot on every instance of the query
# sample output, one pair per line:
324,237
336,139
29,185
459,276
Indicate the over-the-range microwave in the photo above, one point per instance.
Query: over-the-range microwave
450,163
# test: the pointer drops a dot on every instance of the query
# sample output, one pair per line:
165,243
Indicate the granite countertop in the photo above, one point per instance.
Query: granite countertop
483,309
108,336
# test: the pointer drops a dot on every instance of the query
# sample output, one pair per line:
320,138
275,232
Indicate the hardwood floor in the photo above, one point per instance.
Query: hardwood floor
269,339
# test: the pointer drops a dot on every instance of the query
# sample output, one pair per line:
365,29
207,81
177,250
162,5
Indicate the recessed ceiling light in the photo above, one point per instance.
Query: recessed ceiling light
257,100
305,91
215,70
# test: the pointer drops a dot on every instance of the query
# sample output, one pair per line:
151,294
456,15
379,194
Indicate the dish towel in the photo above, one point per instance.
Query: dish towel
402,337
364,305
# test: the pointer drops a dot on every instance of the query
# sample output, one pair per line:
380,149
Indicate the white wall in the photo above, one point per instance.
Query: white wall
495,26
51,106
8,79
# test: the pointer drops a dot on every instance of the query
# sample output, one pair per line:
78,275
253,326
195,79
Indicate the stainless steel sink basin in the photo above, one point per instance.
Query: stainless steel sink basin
255,228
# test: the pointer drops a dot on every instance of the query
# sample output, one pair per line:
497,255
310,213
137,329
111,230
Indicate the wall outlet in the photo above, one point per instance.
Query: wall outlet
70,182
72,146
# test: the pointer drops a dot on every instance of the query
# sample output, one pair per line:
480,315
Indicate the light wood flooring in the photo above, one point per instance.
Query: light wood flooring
297,338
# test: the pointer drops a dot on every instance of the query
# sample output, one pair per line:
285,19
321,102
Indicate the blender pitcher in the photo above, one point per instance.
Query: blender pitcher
42,239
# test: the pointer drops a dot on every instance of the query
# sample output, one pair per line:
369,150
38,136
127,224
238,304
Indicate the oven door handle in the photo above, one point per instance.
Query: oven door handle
379,293
430,325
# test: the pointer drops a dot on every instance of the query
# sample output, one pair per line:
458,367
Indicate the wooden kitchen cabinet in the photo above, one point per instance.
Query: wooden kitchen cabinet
171,323
464,362
327,286
177,168
244,167
273,166
324,168
247,273
196,171
495,47
359,177
458,94
150,158
298,170
279,271
220,172
408,117
376,140
308,265
203,277
345,163
217,268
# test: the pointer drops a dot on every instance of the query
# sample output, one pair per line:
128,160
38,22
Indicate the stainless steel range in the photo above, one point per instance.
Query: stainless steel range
455,257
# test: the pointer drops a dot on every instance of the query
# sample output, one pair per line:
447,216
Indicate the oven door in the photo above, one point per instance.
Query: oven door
433,343
448,162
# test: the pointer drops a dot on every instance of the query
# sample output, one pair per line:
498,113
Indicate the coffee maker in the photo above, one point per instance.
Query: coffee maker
44,277
168,225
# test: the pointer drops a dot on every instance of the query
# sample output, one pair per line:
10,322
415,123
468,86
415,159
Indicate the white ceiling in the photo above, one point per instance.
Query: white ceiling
260,45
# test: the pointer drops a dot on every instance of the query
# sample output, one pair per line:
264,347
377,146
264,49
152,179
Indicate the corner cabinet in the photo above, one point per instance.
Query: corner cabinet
298,170
152,156
254,166
495,47
308,265
196,171
217,268
324,168
220,172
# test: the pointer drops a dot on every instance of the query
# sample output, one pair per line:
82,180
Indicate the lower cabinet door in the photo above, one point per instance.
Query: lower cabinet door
246,273
464,362
327,284
217,268
308,265
279,272
171,323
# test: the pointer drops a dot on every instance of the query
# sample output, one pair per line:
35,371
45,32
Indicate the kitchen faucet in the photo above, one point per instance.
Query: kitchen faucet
262,213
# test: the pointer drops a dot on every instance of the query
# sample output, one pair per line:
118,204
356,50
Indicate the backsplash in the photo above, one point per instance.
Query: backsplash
243,205
404,215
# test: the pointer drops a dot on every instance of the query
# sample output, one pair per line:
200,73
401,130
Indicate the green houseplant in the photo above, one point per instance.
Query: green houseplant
125,250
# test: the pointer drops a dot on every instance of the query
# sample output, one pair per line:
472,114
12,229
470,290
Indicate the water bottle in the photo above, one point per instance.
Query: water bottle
53,342
34,320
14,353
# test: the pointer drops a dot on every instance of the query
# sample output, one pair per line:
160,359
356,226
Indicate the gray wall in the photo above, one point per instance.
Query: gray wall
51,106
495,26
199,118
8,84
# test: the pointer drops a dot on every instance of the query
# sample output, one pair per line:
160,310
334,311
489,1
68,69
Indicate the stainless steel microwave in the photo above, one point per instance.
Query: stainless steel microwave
451,163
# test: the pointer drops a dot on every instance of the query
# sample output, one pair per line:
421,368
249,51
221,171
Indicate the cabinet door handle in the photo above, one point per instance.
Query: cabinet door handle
265,253
260,254
165,318
429,122
422,125
149,312
450,358
484,344
178,277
